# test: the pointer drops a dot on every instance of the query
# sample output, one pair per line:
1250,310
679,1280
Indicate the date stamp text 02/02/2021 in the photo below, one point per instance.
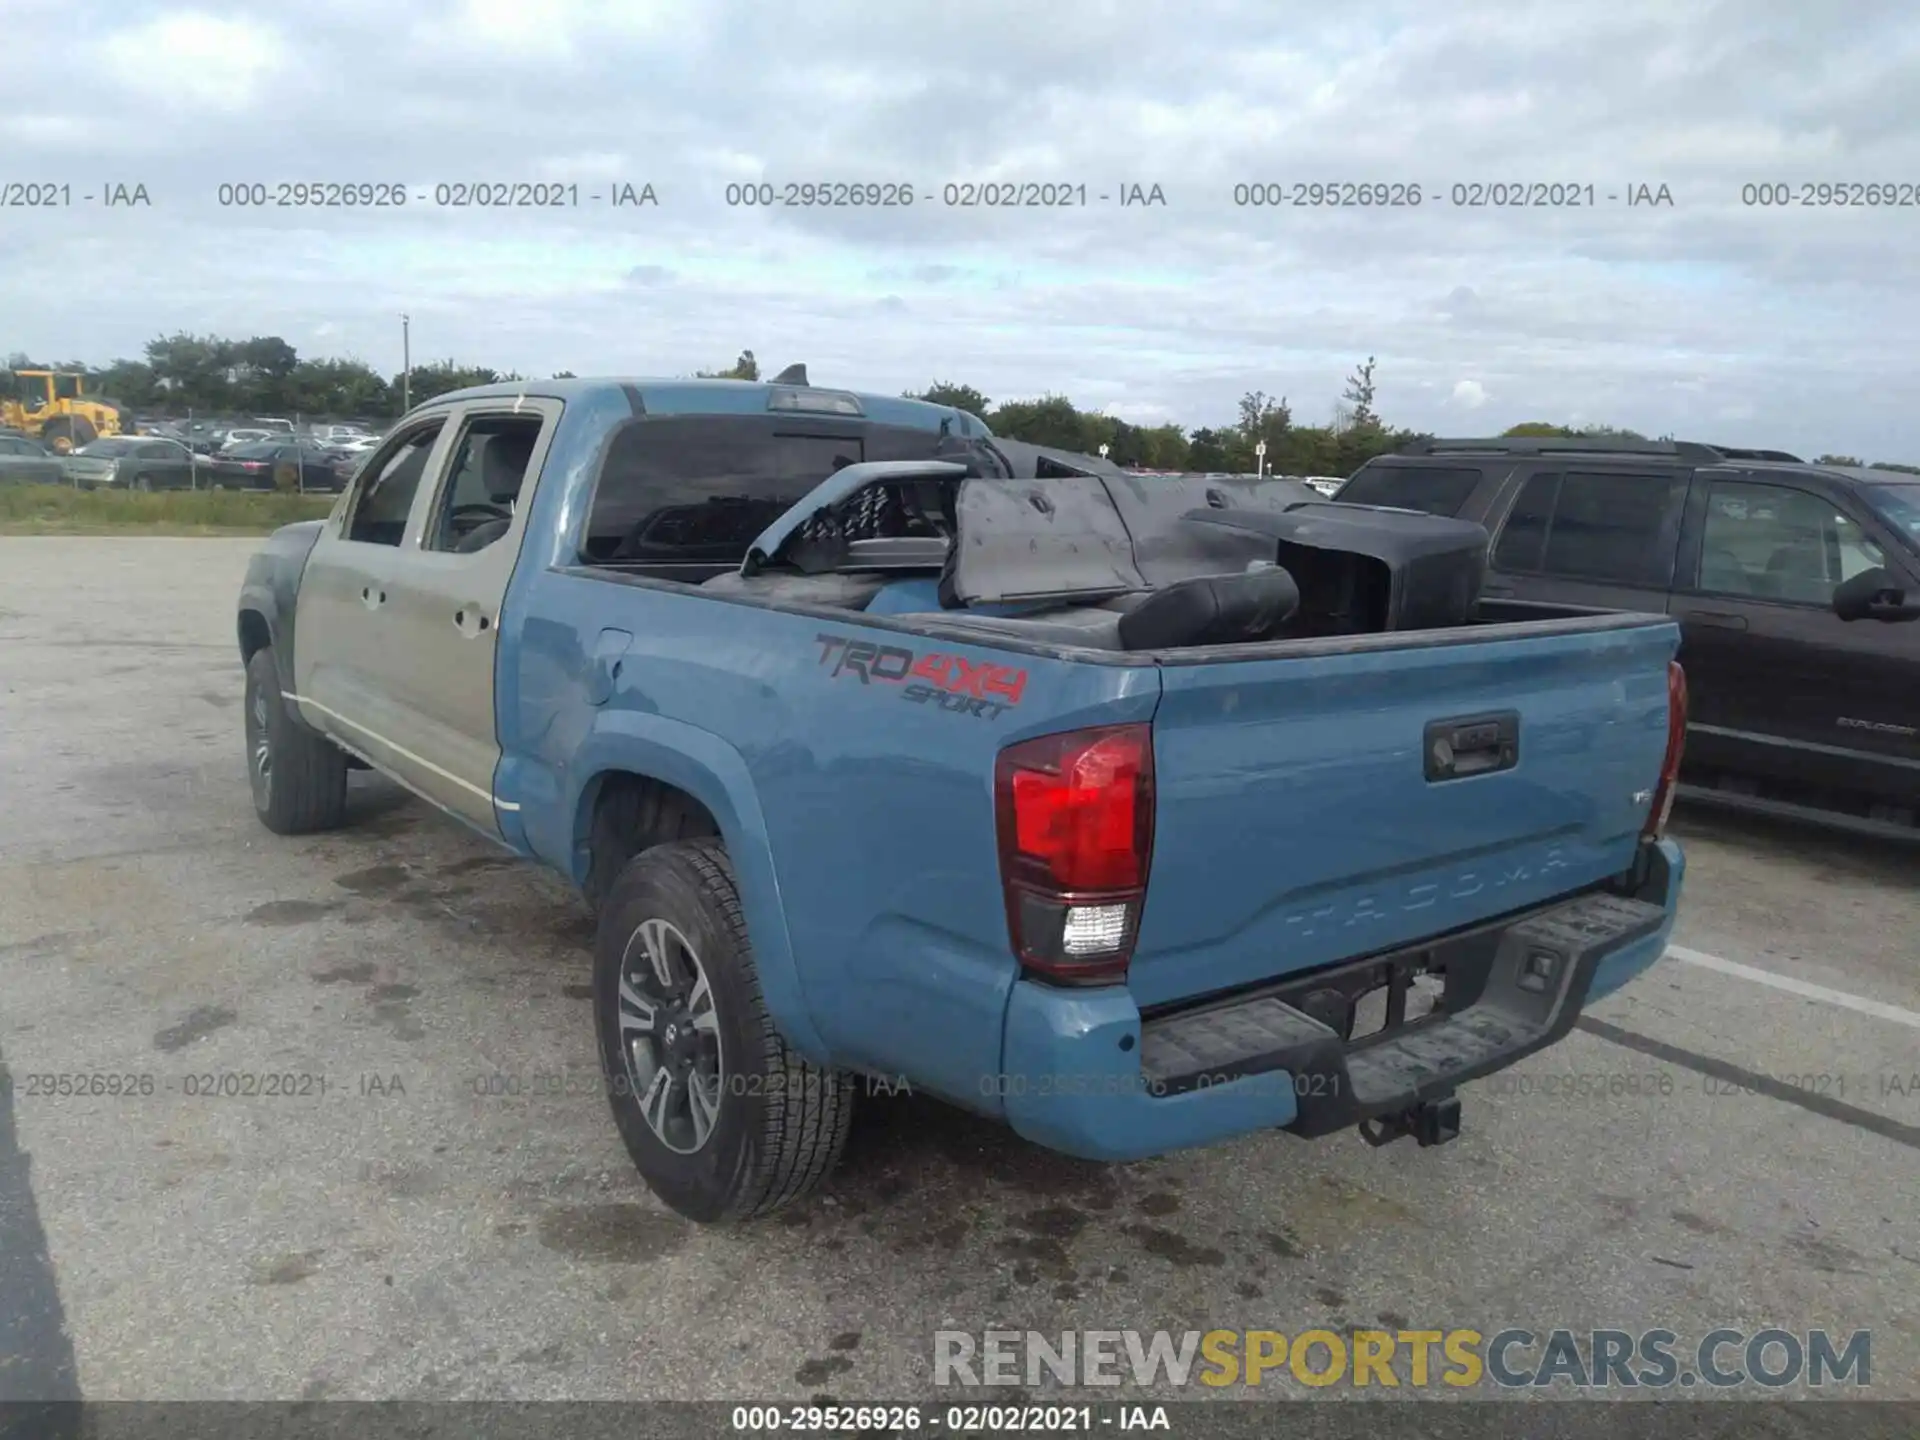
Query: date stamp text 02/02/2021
56,192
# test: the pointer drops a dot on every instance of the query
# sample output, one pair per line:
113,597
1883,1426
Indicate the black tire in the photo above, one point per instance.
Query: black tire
143,483
660,814
302,787
64,434
781,1122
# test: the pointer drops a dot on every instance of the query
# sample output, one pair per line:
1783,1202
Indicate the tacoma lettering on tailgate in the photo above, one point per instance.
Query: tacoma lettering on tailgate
953,683
1386,904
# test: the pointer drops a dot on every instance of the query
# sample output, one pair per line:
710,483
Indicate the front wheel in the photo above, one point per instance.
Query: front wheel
722,1119
299,776
63,434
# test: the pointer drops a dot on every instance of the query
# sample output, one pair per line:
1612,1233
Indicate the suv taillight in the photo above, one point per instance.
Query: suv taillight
1075,818
1676,743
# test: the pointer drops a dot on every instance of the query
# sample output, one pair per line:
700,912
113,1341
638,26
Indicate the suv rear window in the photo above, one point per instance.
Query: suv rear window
1436,489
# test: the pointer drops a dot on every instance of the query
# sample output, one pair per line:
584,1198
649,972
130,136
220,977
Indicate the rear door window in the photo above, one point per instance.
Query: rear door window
1612,528
1435,489
380,510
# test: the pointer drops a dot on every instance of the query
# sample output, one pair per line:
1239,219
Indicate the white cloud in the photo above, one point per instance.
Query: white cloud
194,59
1468,394
542,31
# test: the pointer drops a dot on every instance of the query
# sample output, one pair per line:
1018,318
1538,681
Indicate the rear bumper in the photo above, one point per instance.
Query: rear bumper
1084,1074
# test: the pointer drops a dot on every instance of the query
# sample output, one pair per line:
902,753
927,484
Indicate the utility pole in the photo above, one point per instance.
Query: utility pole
406,364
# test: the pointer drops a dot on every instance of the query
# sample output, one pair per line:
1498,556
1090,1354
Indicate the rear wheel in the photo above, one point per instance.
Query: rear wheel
299,776
722,1119
143,482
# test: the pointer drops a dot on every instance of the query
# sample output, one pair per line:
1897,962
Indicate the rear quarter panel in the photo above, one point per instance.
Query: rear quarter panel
857,810
859,822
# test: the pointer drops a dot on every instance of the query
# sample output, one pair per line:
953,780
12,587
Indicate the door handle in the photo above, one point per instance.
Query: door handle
471,620
1717,619
371,597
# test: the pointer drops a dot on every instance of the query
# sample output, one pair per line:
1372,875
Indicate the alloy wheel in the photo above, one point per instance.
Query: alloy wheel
670,1036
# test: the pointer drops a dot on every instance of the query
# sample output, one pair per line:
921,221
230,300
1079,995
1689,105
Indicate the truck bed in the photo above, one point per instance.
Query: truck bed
1298,824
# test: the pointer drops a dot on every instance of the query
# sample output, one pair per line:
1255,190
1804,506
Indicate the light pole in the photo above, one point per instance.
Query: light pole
406,364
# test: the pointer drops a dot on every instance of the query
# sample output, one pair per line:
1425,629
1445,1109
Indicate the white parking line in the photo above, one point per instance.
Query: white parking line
1879,1009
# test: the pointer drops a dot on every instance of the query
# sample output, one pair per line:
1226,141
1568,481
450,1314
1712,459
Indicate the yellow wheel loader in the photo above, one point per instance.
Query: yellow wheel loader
54,408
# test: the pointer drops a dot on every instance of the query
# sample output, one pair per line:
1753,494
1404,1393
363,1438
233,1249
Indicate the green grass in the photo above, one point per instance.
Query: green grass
62,510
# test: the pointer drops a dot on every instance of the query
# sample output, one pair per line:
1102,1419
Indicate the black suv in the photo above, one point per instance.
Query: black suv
1779,572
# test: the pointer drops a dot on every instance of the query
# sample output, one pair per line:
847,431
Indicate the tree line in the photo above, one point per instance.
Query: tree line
211,375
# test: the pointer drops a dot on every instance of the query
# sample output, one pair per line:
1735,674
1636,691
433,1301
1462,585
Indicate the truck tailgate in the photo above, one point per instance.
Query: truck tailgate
1304,817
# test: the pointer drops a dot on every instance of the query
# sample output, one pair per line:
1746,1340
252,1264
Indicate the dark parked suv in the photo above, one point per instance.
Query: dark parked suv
1795,586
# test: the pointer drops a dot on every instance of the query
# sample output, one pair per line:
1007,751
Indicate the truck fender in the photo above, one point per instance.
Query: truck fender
715,774
269,592
259,623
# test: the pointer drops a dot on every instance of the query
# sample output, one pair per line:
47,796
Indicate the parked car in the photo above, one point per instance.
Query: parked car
125,462
273,424
1795,586
245,435
28,462
338,434
1037,793
273,465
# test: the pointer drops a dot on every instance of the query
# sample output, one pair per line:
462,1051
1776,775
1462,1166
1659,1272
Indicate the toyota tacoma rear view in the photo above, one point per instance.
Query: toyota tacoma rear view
1134,812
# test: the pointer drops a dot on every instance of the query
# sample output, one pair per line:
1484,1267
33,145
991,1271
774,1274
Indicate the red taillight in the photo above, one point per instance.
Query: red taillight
1676,744
1075,817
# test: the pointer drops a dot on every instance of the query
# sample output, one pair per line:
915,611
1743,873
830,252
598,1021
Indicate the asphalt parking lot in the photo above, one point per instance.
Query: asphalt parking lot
397,1228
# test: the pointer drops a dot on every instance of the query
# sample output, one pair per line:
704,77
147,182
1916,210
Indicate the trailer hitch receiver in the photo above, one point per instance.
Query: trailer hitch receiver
1433,1121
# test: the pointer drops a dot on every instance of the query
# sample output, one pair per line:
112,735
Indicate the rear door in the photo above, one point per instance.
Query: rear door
166,465
1574,534
443,601
342,635
1781,685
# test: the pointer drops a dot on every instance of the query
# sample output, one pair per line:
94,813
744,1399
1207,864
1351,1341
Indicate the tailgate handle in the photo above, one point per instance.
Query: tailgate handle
1474,745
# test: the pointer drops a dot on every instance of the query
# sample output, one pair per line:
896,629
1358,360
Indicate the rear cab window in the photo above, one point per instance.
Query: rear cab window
683,497
1435,489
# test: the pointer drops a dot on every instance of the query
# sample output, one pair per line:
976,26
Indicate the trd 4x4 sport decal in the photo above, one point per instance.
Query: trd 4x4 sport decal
964,687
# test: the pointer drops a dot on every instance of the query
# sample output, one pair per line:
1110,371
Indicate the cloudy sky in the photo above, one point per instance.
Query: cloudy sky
1712,317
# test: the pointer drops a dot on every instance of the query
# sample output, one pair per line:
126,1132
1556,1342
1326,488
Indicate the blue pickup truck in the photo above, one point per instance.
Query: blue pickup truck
1136,813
